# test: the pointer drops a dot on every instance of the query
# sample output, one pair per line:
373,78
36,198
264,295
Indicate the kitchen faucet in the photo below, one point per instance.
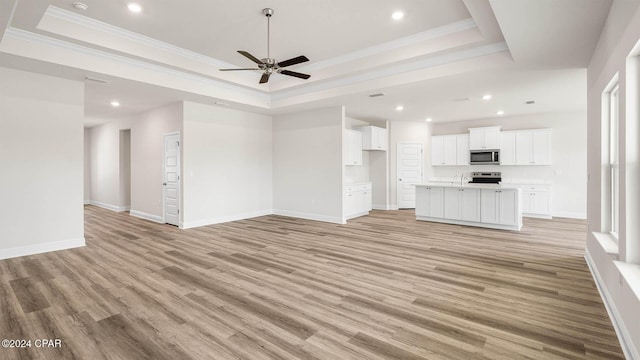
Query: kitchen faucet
463,178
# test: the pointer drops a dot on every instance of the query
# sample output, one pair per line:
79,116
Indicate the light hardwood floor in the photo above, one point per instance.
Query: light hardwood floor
382,287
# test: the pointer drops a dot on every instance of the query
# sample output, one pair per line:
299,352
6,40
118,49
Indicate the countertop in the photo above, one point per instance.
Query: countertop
470,186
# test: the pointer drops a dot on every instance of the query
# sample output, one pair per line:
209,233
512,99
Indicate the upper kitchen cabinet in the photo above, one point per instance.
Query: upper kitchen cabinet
533,147
373,138
484,138
508,148
353,147
462,149
443,150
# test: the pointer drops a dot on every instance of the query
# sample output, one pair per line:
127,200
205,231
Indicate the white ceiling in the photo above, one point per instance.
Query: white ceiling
516,50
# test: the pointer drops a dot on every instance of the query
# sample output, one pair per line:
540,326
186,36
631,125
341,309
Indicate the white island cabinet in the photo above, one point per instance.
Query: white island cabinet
485,205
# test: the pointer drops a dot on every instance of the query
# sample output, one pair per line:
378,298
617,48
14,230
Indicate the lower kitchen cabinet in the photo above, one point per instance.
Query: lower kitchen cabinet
357,200
500,206
536,201
431,201
462,204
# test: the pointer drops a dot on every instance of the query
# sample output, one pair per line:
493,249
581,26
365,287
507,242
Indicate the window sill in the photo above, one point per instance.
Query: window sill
609,244
631,274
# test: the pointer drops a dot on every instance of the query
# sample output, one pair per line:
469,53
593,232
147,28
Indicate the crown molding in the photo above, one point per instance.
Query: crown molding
392,70
96,25
410,40
35,38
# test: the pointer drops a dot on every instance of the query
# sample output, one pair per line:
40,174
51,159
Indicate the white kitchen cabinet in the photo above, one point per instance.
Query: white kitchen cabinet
483,138
353,147
374,138
462,204
462,149
533,147
357,200
490,206
500,206
508,148
536,201
430,201
450,150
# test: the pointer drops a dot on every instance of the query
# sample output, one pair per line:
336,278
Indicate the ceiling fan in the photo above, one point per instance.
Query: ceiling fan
269,65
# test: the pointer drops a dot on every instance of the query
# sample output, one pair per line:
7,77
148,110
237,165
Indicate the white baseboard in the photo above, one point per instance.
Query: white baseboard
224,219
537,216
116,208
87,202
146,216
41,248
381,207
626,341
572,215
309,216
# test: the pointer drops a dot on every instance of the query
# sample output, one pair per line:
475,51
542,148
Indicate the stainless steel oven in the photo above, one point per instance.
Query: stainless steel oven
484,157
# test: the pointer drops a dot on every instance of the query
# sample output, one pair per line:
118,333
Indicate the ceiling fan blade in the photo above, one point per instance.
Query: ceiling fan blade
264,78
250,57
293,61
239,69
295,74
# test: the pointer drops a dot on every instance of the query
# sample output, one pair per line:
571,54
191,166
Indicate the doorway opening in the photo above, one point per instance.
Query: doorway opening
124,197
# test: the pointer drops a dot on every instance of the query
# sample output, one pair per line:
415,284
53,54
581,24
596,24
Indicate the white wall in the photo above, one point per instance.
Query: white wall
147,154
619,289
406,132
227,164
307,164
105,164
568,172
41,152
87,165
147,147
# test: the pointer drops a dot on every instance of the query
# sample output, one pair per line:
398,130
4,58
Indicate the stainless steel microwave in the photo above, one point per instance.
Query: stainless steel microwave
484,157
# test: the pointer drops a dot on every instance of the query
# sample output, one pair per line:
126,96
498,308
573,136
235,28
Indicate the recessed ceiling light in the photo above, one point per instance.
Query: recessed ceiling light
486,97
397,15
133,7
80,6
115,103
500,112
428,119
399,108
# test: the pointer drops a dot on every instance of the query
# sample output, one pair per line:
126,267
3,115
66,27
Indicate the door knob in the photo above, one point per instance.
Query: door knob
164,184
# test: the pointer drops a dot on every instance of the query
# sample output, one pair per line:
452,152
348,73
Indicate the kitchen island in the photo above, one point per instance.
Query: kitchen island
496,206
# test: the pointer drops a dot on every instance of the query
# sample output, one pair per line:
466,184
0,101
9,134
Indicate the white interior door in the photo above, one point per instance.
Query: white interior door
409,171
171,179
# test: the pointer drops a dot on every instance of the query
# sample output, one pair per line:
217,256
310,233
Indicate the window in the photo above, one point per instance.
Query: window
610,143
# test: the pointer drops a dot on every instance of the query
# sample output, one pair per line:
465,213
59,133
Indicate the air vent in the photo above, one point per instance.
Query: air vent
530,102
461,99
376,95
101,81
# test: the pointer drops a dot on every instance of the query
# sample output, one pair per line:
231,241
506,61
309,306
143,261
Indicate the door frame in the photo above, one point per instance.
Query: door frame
164,188
397,205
